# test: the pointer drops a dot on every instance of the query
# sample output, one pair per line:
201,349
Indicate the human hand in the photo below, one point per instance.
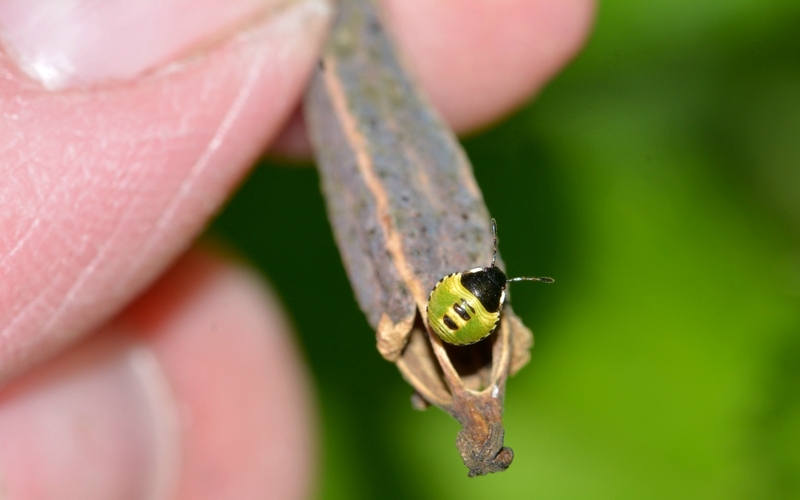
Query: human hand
157,112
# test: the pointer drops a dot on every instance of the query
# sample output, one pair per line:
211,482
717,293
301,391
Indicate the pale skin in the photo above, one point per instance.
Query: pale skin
104,187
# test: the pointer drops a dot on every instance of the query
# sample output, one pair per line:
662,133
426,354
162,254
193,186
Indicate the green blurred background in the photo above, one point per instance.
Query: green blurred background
658,180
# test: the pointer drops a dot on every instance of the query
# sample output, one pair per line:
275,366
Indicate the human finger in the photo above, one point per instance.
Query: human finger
111,168
477,60
195,391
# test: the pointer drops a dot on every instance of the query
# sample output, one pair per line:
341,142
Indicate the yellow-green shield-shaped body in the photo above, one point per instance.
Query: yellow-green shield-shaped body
460,317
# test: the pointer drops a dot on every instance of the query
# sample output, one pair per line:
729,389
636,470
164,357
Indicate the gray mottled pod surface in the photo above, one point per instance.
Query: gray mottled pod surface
406,211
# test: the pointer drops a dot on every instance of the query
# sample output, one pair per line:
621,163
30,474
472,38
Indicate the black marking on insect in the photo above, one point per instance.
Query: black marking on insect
461,312
449,322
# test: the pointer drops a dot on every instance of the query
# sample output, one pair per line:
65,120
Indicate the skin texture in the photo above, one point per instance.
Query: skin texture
107,182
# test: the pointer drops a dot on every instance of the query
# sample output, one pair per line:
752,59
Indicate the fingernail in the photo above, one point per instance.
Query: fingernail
67,43
100,422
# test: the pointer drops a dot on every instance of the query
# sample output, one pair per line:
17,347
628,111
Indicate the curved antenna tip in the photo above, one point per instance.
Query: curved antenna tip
543,279
494,238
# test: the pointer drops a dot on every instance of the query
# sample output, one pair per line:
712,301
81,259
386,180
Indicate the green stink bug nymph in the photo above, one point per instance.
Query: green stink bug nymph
464,308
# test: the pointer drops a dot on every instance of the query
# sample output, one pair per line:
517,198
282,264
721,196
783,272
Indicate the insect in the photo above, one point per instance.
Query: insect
464,308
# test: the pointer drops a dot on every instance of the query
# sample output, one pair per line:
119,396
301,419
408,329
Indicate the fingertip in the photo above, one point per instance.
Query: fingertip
96,422
292,142
107,185
78,43
479,59
196,391
226,348
476,60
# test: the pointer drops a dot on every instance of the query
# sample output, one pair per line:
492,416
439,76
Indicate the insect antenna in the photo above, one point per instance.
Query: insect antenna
494,236
543,279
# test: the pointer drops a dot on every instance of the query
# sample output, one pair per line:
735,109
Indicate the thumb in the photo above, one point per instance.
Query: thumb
126,125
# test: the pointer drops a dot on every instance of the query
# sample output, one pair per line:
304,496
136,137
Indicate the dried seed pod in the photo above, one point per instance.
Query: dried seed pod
405,210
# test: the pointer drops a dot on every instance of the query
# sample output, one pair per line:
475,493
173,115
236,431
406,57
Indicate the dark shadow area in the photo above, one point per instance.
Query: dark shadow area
473,362
751,124
536,226
278,221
